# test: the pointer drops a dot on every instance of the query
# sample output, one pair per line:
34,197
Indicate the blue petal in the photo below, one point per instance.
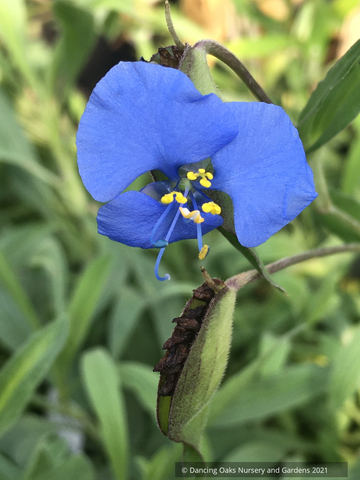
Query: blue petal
130,217
143,117
264,171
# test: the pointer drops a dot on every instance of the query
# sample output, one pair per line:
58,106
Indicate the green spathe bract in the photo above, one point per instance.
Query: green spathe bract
202,373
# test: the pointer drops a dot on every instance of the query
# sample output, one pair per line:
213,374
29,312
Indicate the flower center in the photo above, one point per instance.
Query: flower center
187,195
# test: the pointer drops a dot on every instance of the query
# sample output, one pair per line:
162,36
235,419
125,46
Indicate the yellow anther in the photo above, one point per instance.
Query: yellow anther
195,215
169,197
203,252
204,182
192,176
211,207
179,197
203,174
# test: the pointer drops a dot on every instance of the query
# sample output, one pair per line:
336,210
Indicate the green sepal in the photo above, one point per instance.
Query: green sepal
183,415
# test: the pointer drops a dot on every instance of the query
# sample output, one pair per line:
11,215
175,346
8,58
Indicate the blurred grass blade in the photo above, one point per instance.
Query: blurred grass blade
101,382
124,319
161,465
140,379
344,219
12,31
8,470
232,388
334,103
49,255
75,468
15,149
27,368
345,374
14,326
82,306
274,393
13,286
75,44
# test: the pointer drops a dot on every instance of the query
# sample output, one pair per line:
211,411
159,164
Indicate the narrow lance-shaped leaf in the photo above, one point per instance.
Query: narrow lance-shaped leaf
27,368
345,373
194,365
101,381
334,103
83,304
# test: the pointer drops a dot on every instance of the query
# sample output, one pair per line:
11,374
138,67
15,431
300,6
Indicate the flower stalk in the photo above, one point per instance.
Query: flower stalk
218,51
244,278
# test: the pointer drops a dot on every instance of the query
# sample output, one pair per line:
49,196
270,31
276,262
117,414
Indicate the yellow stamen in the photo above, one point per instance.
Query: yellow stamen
203,174
203,252
211,207
169,197
204,182
194,215
192,176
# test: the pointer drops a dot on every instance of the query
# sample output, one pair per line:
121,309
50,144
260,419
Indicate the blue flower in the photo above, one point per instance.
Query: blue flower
143,117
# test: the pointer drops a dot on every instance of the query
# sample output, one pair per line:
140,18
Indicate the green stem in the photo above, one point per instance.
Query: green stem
238,281
223,54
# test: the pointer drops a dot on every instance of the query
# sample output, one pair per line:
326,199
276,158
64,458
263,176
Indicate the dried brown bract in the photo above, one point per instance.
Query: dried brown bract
168,56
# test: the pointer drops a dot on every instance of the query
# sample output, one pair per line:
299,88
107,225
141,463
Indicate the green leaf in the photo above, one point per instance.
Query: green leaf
232,388
14,288
27,368
257,451
75,468
344,221
49,452
345,372
334,103
202,372
82,306
49,255
161,465
251,255
351,171
8,470
15,149
141,380
124,319
12,31
273,394
101,382
75,44
14,327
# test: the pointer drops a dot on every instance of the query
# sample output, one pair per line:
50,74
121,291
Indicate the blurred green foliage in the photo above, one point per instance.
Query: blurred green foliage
83,320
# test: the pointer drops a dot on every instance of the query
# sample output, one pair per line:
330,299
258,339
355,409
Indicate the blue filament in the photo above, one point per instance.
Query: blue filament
167,238
198,225
160,243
